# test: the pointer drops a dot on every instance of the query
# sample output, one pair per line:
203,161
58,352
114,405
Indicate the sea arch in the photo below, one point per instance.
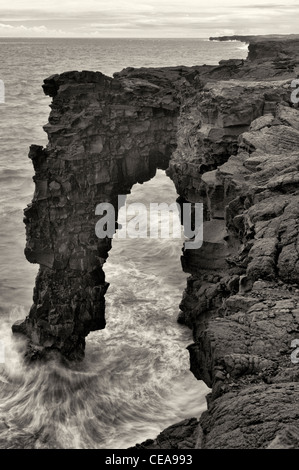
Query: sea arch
104,136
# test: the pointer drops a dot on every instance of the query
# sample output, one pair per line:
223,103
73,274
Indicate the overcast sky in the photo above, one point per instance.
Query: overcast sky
146,18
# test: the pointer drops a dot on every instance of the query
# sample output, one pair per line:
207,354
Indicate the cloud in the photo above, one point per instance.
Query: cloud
271,6
146,18
8,30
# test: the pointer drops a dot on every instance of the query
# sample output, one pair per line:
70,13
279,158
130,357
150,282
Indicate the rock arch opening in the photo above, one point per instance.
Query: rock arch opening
143,352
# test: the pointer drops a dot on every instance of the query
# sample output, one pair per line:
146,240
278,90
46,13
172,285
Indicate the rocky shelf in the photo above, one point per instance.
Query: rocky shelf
228,136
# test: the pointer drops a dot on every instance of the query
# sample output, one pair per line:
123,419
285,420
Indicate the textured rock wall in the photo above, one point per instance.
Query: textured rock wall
244,313
242,297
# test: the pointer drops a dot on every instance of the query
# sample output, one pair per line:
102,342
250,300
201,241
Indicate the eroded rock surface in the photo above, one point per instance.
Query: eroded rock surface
228,136
104,135
242,298
182,435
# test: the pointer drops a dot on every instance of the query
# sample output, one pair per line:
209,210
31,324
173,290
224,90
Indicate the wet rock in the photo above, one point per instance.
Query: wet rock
182,435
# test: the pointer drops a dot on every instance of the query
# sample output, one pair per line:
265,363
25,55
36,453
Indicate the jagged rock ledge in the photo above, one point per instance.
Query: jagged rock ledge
228,136
256,38
267,47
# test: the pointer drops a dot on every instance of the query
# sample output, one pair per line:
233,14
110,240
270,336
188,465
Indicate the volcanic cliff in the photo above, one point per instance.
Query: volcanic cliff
227,136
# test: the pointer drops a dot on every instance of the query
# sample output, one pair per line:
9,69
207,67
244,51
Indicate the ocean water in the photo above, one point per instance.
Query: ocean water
135,378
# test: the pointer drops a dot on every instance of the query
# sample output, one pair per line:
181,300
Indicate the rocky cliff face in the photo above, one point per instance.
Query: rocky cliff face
104,136
228,136
242,297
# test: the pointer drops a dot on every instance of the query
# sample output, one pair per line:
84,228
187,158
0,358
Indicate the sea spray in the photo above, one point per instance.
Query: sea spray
135,378
119,395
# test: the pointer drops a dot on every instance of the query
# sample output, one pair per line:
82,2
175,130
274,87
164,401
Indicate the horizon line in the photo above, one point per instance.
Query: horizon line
102,37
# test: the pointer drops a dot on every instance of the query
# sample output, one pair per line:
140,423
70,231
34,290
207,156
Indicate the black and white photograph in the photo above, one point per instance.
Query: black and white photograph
149,203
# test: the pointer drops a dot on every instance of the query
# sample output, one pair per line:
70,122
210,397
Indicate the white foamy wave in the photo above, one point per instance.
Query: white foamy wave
243,47
119,393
